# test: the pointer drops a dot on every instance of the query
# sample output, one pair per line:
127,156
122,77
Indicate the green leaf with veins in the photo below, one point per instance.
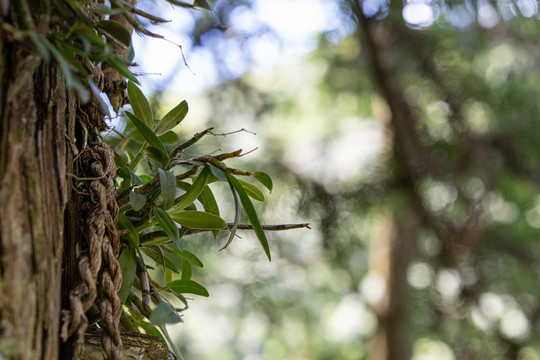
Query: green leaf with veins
167,183
172,118
251,214
139,103
167,225
198,220
128,264
193,192
188,286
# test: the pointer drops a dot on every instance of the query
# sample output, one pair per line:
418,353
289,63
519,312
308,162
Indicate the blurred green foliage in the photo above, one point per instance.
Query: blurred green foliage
423,137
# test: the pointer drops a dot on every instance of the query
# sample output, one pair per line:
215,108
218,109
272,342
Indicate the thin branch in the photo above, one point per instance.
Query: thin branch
236,131
277,227
186,144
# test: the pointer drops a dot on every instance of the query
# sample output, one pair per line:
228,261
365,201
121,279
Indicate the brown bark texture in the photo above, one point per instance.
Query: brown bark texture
136,347
37,117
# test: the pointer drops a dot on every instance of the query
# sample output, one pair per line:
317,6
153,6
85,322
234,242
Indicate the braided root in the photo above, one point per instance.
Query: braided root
100,212
111,304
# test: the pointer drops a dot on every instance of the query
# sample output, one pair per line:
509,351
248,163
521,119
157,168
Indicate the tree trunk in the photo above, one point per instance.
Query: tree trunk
37,120
390,253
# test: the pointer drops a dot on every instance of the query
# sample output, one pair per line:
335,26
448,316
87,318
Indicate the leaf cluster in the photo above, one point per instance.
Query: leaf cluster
165,194
78,34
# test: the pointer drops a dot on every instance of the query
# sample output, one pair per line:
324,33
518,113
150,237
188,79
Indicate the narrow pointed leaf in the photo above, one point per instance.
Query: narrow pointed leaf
107,10
264,179
191,257
164,314
132,237
167,225
40,42
127,173
120,65
218,173
157,155
156,253
198,220
193,192
140,104
136,201
116,30
167,183
168,137
172,118
188,286
252,190
120,159
128,265
236,217
130,54
209,204
251,214
202,4
147,133
187,270
172,261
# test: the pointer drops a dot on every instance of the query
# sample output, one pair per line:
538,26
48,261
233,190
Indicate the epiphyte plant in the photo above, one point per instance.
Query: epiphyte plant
164,201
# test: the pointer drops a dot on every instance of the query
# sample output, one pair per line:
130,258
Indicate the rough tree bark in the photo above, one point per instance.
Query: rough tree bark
37,117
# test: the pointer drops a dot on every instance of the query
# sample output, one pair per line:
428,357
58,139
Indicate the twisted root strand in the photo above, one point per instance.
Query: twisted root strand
101,214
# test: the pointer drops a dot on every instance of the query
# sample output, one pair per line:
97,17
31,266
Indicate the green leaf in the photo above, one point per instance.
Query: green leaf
164,314
120,159
128,265
252,215
116,30
156,253
150,329
187,270
172,118
172,261
130,54
40,42
140,104
210,205
252,190
136,201
193,192
236,217
218,173
132,237
127,173
188,286
167,183
107,10
71,80
146,133
198,220
202,4
146,178
167,225
157,155
119,65
168,137
189,256
264,179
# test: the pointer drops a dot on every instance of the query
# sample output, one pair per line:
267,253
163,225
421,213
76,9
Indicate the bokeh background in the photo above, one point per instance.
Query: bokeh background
406,133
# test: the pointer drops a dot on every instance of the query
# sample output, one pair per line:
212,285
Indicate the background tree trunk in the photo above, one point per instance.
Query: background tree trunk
390,253
37,118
